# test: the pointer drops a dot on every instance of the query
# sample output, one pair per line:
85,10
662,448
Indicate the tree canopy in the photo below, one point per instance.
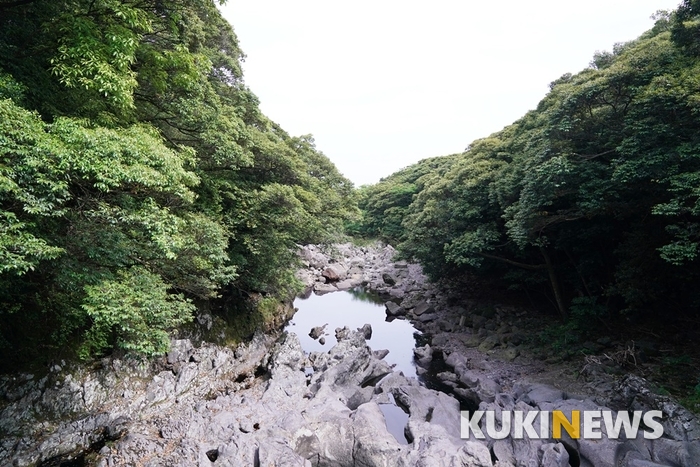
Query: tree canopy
138,177
590,201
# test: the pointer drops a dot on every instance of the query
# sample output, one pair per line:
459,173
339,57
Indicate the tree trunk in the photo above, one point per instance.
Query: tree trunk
556,287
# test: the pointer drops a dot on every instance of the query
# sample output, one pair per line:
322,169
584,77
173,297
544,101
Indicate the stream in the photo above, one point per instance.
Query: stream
208,403
355,308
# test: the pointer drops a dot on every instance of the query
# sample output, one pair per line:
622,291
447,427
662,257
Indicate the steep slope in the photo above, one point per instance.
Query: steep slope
138,178
589,202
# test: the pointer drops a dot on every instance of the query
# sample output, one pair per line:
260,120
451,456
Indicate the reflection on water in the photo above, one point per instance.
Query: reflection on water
396,420
363,295
353,309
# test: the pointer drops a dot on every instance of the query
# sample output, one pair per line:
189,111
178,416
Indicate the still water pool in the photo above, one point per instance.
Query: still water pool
353,309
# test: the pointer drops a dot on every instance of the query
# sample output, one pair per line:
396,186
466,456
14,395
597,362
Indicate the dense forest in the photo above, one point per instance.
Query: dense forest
588,206
138,178
139,182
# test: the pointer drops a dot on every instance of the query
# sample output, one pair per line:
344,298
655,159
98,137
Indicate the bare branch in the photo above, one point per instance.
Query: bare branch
589,157
530,267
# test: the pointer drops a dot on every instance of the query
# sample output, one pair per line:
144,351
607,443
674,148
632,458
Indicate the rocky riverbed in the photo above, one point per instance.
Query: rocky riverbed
267,403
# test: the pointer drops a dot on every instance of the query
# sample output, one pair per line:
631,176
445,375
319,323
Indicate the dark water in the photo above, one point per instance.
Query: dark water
353,309
396,420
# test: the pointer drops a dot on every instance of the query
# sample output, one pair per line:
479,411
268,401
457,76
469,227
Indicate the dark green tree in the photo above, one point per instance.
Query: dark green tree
138,177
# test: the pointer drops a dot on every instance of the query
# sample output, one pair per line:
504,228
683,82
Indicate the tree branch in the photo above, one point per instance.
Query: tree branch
530,267
556,287
589,157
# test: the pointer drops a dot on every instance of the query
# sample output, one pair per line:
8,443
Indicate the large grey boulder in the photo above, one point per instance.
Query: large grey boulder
335,272
366,331
374,445
554,455
321,289
388,279
392,309
423,355
635,393
346,284
313,256
423,307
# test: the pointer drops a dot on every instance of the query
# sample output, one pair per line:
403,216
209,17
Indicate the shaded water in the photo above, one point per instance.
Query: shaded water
353,309
396,420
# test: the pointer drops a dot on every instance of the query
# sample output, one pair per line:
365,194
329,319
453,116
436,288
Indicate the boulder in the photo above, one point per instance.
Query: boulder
636,393
427,317
478,388
423,307
306,277
317,331
334,272
342,333
392,309
455,359
536,394
510,354
471,340
180,351
313,257
346,284
277,452
366,331
356,279
554,455
374,445
321,289
397,293
478,321
489,343
424,355
388,279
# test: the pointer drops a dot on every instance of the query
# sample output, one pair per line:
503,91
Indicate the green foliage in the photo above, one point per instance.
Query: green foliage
590,202
20,251
9,88
692,400
97,47
385,204
133,158
562,340
134,312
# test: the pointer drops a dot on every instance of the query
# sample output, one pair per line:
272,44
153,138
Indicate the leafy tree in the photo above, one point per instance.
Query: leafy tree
590,199
134,312
385,204
138,176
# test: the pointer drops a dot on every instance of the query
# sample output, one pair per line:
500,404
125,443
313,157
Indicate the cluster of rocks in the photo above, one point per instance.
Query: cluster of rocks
344,266
267,403
485,365
324,409
71,412
680,445
409,292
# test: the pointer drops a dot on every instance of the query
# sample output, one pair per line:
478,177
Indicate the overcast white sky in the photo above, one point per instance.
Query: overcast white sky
382,84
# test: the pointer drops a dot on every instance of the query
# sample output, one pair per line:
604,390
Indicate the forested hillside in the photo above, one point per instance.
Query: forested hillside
589,205
138,178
